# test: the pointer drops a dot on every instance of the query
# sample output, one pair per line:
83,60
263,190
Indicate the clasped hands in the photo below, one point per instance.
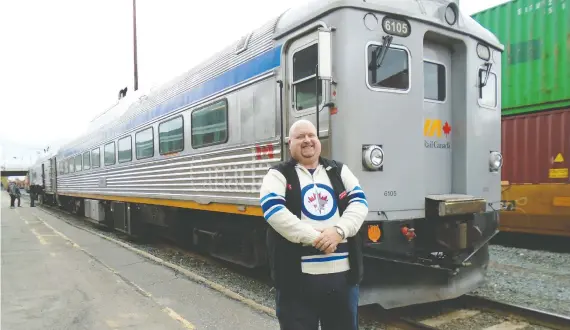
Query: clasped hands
327,240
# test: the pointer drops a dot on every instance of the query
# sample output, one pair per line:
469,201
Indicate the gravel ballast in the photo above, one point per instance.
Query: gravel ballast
531,278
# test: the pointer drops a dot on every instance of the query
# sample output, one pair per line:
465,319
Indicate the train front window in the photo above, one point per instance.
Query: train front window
434,81
394,71
304,75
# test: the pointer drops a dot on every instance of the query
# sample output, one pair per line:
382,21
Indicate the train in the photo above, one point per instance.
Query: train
535,114
406,93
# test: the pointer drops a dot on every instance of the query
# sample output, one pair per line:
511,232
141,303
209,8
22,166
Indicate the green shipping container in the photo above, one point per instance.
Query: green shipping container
536,61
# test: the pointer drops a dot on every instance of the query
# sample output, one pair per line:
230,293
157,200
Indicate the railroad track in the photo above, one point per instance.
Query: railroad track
467,312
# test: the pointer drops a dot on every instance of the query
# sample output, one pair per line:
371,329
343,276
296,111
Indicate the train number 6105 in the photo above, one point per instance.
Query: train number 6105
396,27
390,193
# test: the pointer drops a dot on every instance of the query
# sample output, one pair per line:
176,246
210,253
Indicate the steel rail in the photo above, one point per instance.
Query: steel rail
534,316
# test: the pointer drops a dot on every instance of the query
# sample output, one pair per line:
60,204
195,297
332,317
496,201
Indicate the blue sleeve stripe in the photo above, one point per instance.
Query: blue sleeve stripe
271,203
359,200
274,195
357,188
357,195
276,209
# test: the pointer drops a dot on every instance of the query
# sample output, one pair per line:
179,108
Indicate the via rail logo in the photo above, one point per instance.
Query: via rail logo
435,128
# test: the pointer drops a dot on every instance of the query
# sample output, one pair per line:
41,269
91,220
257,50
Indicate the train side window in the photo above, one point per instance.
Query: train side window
71,165
393,74
95,158
209,125
488,93
78,159
125,149
434,81
86,160
66,166
144,143
171,136
109,153
304,75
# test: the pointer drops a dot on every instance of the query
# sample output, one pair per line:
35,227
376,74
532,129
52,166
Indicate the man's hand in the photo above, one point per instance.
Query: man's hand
327,240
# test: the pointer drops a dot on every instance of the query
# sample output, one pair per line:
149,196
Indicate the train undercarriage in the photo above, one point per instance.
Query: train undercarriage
413,261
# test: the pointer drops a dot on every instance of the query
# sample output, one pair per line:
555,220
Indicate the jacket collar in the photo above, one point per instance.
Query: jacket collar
322,161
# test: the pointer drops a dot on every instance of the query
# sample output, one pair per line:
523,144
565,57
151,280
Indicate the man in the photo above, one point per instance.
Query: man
315,208
14,194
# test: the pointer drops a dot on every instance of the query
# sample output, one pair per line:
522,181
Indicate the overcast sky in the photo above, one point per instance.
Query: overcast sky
62,62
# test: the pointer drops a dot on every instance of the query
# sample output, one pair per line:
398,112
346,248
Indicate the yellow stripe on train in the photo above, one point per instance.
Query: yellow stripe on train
215,207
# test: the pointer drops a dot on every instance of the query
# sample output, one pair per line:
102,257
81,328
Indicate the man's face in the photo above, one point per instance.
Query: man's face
304,145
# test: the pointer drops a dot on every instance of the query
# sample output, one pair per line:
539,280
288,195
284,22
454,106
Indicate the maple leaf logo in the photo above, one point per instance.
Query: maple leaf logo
319,202
312,198
446,129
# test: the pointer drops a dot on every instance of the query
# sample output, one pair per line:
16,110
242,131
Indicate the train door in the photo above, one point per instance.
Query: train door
437,121
302,89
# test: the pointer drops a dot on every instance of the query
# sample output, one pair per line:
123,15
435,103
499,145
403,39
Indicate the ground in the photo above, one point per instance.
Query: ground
56,276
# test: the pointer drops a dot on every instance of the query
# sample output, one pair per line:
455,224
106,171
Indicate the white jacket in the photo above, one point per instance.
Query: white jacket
319,211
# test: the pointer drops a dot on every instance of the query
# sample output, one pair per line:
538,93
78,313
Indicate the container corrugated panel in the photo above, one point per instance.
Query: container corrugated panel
536,62
536,147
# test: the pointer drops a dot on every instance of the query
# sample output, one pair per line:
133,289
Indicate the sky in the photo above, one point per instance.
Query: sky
63,62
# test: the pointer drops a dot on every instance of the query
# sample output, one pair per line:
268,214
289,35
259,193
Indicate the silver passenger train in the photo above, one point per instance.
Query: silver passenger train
407,93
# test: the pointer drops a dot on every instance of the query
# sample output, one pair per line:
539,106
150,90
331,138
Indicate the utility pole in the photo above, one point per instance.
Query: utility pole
135,43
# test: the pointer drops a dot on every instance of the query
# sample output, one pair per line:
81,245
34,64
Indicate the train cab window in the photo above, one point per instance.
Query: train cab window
393,73
488,93
434,81
95,158
86,160
125,149
171,136
304,75
209,125
78,162
144,143
109,153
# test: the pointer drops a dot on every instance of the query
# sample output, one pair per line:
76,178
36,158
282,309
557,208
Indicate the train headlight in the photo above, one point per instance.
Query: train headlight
450,13
483,52
373,157
495,161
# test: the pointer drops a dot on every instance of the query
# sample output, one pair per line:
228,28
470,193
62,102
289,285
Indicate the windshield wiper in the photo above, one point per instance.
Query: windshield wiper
386,42
488,65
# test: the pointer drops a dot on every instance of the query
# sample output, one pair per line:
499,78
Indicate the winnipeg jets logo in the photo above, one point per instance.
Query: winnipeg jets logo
318,202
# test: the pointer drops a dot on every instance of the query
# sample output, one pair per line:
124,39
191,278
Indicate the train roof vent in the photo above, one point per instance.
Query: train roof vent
242,43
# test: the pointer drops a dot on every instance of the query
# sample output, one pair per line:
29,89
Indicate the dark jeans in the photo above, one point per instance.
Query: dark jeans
13,199
325,298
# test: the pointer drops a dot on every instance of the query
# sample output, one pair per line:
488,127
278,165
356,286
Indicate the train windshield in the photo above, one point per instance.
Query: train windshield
389,70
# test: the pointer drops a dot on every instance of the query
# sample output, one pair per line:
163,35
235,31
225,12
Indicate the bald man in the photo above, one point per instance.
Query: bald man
314,207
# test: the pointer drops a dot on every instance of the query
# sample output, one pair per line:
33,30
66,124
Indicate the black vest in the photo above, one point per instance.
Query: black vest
285,256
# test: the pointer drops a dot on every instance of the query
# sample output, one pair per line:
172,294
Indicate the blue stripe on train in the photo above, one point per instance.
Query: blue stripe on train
245,71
